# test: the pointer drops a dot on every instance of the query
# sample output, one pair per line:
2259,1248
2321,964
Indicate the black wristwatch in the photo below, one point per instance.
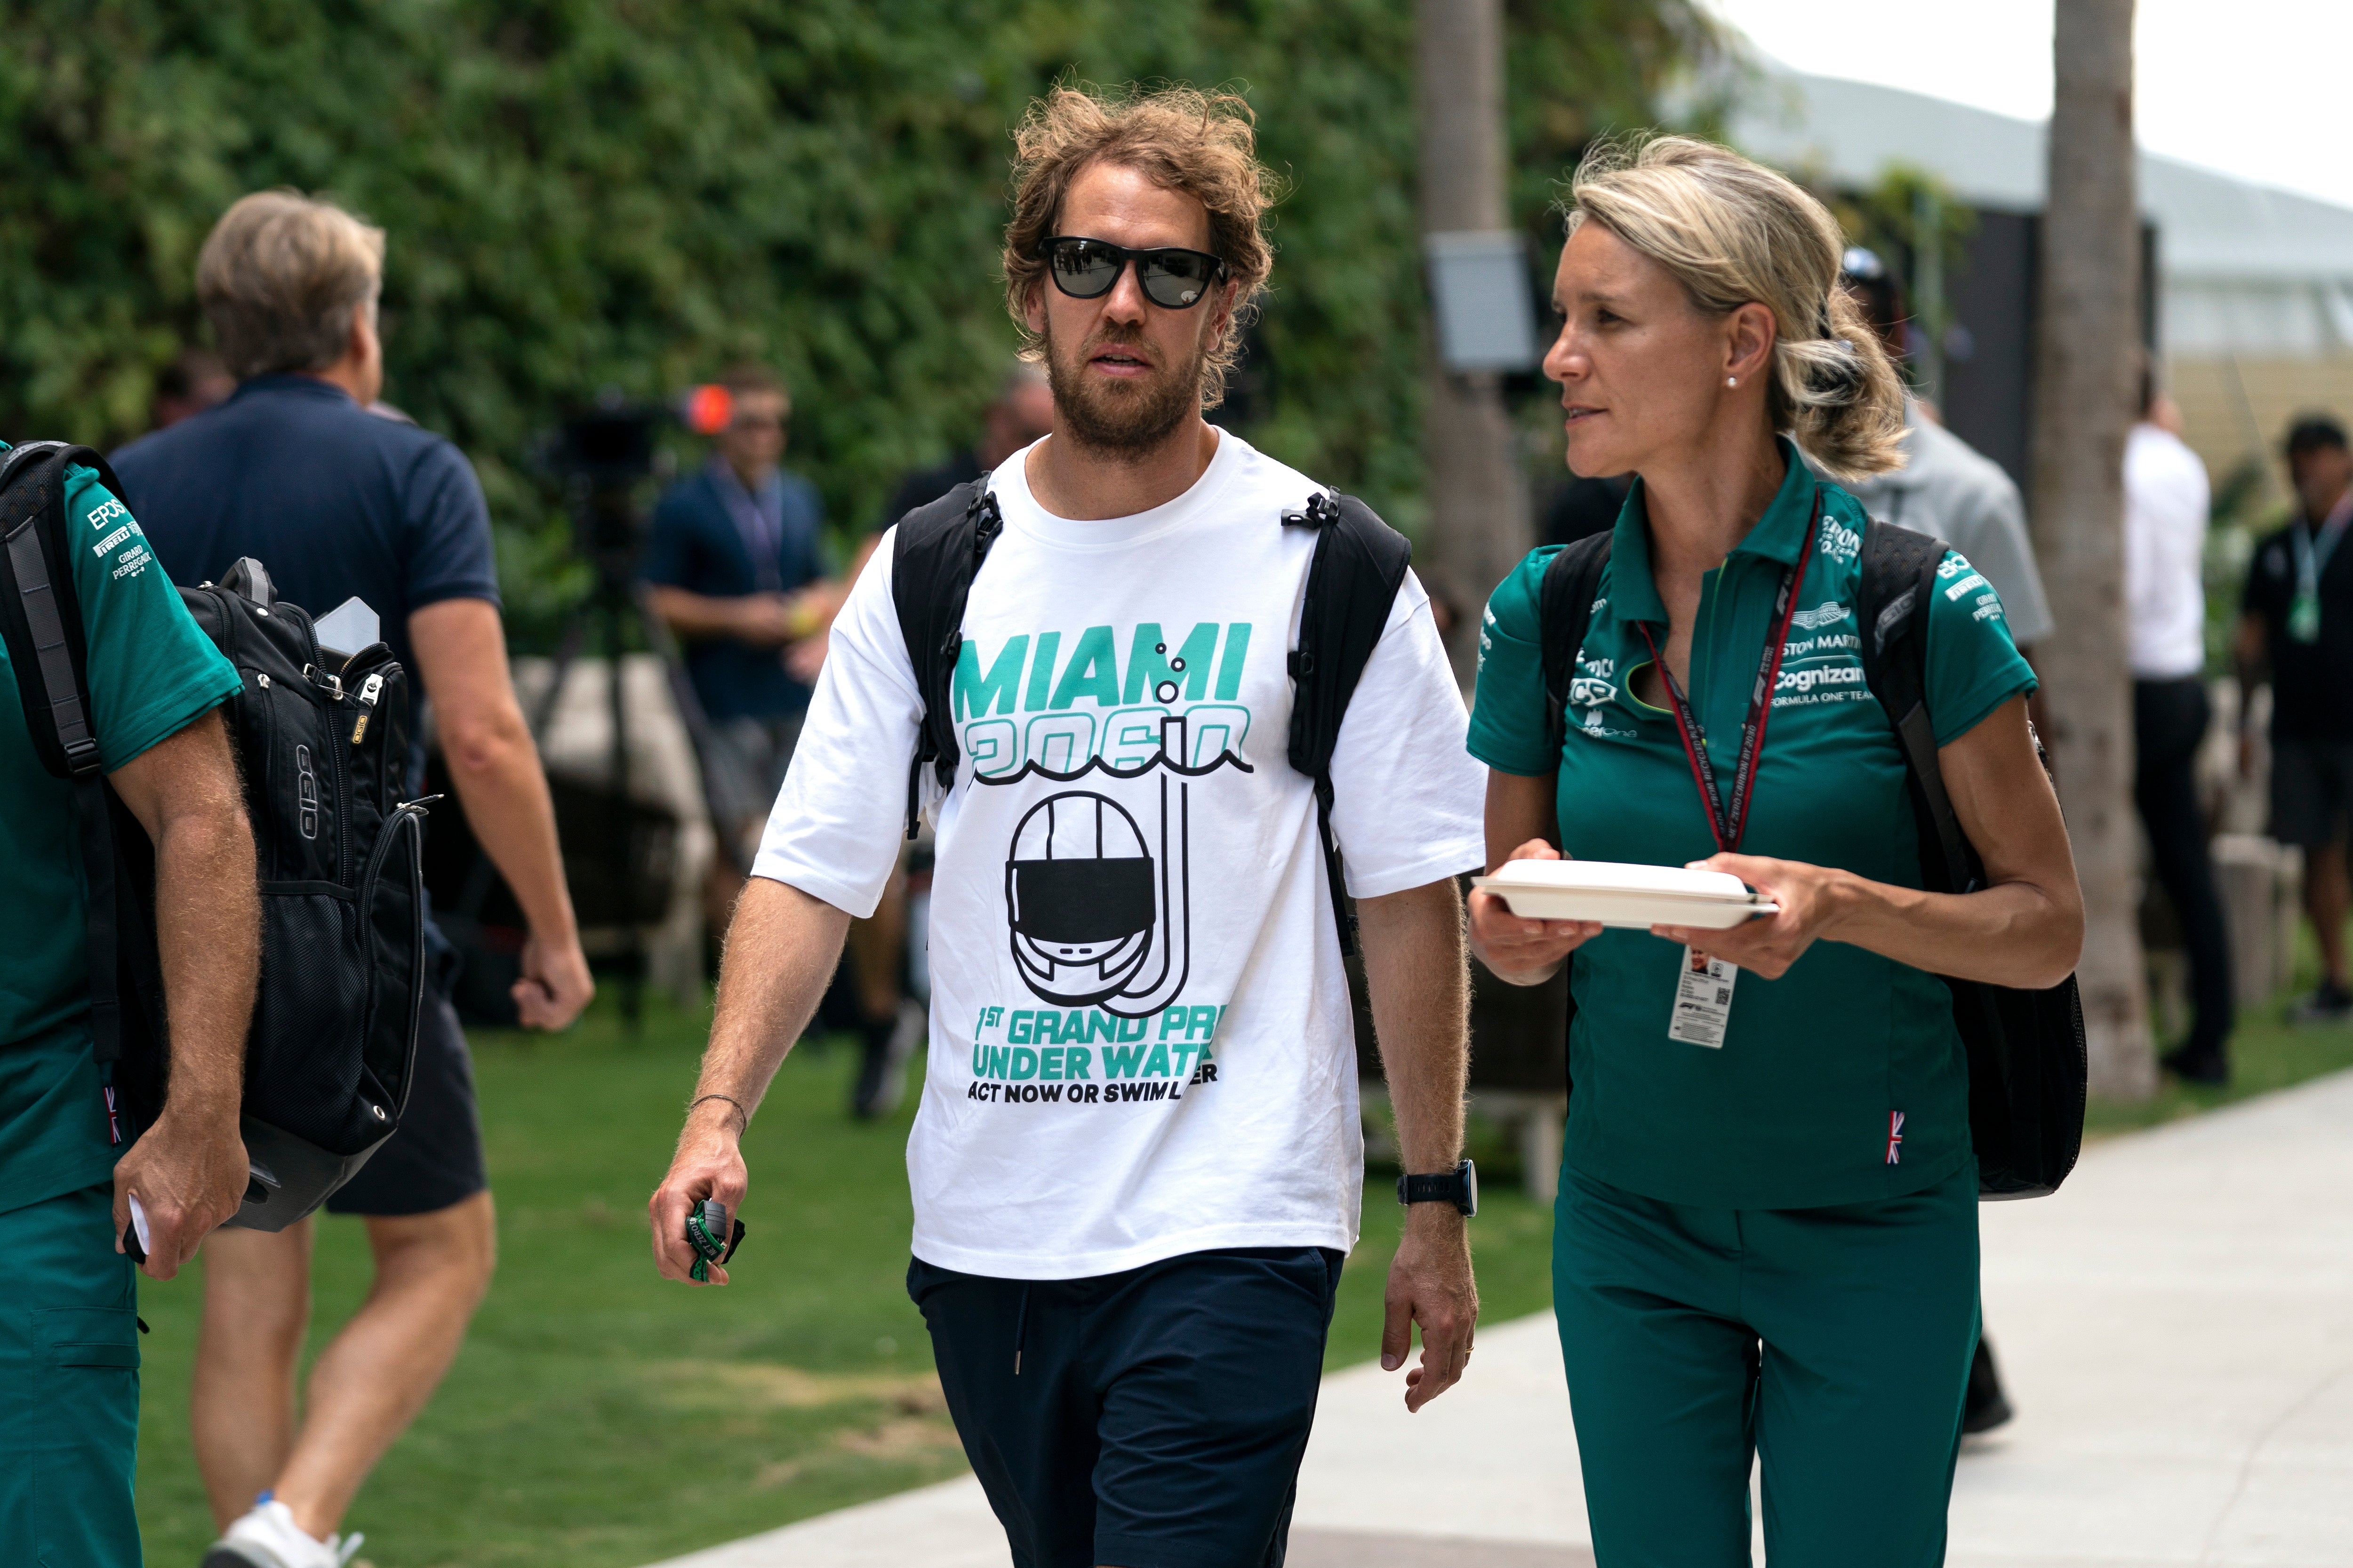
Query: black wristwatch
1459,1186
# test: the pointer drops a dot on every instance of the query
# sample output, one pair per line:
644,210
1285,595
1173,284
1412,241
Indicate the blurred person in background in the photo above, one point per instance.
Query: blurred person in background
1946,488
2296,622
195,380
1583,508
1023,412
734,566
338,503
2167,499
69,1295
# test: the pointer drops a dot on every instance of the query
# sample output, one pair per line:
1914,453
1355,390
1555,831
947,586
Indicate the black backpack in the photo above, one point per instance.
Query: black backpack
1359,563
2027,1064
324,755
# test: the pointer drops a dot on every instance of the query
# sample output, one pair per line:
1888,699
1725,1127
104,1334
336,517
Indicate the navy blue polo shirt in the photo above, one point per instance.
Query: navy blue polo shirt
703,546
335,501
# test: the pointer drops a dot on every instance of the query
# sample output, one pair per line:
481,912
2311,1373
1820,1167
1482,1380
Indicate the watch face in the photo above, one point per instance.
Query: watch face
1470,1187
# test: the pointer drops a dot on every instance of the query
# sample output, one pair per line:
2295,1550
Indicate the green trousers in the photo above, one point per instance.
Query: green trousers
68,1386
1831,1344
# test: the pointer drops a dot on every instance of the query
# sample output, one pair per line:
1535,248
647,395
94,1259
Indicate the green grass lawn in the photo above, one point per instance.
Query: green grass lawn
2267,1052
601,1418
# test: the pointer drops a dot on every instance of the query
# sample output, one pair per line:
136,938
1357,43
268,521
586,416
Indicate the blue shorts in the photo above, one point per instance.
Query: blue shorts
1153,1418
435,1159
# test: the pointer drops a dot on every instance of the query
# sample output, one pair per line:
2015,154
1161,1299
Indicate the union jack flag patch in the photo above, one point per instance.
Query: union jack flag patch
1895,1137
113,1119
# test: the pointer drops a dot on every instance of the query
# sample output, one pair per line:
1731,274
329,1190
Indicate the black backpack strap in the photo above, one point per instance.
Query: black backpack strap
1564,609
43,610
1891,613
40,619
1352,579
1564,601
934,556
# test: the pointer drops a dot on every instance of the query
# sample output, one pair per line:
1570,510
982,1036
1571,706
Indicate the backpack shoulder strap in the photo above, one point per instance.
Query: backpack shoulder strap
41,623
1572,581
41,614
1891,613
1352,579
934,556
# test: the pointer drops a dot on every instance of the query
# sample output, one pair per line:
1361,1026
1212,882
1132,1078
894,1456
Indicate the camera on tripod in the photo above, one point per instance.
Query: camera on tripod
619,848
602,458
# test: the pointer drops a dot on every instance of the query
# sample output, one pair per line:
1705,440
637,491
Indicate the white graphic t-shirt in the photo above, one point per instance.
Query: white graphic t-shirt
1141,1042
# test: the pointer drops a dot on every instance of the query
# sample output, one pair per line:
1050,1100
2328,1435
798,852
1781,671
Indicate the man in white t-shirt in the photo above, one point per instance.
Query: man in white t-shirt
1138,1161
2165,502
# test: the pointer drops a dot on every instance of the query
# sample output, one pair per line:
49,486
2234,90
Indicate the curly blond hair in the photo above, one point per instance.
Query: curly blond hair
1182,138
1732,233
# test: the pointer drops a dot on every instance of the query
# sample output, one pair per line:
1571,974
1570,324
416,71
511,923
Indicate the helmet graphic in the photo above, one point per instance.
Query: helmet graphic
1079,898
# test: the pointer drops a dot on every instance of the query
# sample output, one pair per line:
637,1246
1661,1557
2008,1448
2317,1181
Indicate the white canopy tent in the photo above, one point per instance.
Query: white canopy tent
2256,286
2245,270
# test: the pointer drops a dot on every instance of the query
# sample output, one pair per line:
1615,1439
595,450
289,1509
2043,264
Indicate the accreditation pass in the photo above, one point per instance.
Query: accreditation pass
1702,1000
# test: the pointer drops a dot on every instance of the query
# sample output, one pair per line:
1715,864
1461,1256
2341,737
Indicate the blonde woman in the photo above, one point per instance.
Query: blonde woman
1767,1239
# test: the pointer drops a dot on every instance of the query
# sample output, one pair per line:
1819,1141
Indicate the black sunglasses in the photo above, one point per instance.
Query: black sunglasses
1172,279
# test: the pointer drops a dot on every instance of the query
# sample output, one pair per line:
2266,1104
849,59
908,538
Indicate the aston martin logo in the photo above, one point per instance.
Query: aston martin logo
1820,616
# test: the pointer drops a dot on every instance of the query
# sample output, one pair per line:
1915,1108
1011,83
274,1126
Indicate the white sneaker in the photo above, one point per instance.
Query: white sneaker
268,1538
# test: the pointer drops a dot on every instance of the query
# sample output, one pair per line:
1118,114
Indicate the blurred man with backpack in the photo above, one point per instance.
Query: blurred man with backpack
339,504
72,1160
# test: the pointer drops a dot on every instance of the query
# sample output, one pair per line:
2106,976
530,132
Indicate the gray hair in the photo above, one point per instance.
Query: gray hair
281,278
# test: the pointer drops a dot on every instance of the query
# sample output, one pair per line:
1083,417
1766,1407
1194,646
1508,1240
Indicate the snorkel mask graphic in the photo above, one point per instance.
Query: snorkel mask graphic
1085,899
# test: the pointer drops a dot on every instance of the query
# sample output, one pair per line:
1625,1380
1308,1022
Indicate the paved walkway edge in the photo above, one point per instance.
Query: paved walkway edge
2176,1326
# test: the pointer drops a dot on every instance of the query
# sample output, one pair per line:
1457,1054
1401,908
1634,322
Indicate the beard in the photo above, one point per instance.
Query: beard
1118,418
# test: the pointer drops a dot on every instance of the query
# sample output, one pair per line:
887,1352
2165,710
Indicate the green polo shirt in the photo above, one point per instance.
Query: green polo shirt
1795,1110
151,672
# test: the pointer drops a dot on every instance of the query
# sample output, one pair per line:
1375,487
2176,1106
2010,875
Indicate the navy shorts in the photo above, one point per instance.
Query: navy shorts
1153,1418
2312,788
435,1159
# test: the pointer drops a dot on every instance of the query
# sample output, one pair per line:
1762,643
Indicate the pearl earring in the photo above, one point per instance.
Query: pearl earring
1732,380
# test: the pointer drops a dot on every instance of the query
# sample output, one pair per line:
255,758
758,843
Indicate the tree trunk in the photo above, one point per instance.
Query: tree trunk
2087,354
1478,524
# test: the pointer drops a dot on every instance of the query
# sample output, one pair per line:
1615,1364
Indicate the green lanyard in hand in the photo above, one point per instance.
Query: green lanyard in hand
713,1241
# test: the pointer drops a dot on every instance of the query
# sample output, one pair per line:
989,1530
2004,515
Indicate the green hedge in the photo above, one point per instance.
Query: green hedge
583,193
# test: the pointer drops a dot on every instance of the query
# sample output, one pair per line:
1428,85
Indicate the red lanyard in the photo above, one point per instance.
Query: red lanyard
1727,828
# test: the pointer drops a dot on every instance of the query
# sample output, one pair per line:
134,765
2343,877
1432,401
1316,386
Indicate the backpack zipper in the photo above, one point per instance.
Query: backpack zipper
332,685
407,816
369,691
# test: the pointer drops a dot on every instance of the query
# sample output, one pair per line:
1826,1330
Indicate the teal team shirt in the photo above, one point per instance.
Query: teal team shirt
1801,1105
151,672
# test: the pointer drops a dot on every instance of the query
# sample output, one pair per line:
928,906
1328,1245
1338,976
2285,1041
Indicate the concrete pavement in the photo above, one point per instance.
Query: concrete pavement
2176,1327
